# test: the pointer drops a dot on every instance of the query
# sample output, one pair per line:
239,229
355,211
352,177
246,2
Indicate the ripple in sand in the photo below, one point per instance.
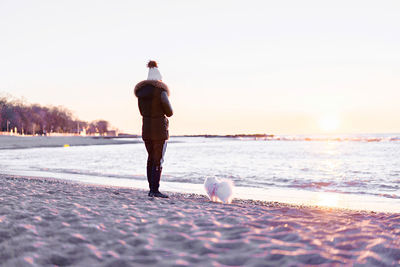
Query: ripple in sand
135,242
60,260
231,233
290,237
19,216
144,252
193,245
38,244
274,257
77,238
205,249
28,248
229,245
283,228
95,251
145,260
29,260
175,237
18,230
207,234
113,254
205,224
31,228
349,246
119,263
4,235
233,260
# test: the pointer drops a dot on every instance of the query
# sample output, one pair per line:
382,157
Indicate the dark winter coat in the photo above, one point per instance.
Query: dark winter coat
154,106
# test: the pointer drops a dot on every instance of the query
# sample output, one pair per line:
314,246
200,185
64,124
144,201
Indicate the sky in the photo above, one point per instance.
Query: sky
276,67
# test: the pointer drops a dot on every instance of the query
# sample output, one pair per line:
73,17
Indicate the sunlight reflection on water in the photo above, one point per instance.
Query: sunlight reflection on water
327,200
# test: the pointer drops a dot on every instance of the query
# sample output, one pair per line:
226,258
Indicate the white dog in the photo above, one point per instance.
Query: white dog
219,190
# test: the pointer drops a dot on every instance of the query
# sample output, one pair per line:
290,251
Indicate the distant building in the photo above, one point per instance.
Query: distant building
112,133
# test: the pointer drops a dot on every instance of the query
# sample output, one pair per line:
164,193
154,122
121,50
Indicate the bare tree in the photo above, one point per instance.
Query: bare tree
36,119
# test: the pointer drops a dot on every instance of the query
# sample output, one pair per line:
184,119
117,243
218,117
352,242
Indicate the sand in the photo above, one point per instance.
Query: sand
19,142
46,222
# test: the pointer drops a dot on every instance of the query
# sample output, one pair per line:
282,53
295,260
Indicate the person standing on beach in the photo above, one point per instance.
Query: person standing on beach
155,107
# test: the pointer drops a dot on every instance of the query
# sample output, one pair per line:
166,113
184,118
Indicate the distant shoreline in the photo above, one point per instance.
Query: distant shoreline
23,142
229,135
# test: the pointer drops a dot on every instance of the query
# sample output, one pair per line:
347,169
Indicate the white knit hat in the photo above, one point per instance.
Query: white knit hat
154,73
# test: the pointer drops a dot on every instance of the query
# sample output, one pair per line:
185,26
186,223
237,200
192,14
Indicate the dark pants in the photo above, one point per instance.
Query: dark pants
155,151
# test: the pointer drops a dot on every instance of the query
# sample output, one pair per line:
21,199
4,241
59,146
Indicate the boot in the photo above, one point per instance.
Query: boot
149,167
161,195
155,179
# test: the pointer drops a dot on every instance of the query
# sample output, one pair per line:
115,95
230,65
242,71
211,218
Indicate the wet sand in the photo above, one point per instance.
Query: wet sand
19,142
46,222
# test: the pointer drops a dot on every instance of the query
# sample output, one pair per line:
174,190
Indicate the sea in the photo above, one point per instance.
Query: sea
358,172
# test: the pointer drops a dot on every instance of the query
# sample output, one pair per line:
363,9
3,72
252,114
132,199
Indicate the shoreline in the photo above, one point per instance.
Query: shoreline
26,142
179,194
55,222
290,196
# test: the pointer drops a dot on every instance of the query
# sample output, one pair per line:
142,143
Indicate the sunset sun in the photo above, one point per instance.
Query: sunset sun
329,123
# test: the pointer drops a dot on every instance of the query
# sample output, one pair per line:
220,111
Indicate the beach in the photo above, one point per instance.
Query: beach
46,222
20,142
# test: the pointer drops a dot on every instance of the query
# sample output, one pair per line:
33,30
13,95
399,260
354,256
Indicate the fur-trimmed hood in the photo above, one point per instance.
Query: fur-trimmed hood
158,84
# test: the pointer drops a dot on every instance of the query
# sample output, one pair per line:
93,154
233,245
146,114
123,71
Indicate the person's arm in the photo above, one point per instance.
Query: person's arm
165,104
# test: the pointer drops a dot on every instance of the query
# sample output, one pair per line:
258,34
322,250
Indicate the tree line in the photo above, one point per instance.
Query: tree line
23,118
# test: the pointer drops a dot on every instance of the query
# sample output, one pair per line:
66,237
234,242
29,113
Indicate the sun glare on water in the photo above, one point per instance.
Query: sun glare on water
329,123
327,200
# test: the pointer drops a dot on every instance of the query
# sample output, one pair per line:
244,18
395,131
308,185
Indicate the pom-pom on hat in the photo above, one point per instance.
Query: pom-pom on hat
154,73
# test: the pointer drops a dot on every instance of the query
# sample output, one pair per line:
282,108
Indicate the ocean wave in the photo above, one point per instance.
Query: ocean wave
343,187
